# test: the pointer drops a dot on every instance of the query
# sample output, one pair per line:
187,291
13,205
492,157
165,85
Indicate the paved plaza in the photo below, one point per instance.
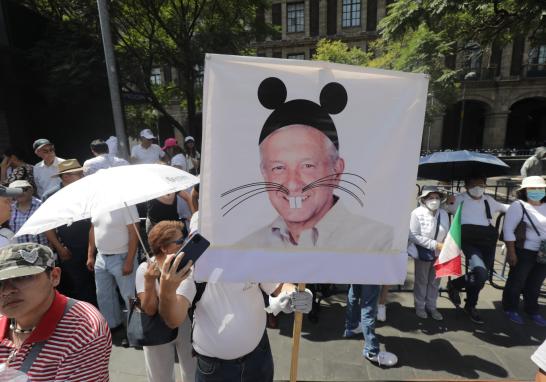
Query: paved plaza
454,349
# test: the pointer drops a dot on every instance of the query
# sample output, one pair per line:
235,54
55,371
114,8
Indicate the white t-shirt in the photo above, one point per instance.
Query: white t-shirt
539,356
111,231
43,176
179,160
190,162
513,217
229,319
150,155
473,211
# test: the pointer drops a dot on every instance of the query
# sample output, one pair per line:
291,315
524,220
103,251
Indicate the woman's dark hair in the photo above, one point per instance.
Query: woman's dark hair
16,151
176,150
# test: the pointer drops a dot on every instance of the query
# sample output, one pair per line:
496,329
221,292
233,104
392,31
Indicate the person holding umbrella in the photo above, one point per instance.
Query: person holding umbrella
525,251
479,241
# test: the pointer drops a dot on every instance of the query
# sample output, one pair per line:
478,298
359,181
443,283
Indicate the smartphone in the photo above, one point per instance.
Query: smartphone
195,246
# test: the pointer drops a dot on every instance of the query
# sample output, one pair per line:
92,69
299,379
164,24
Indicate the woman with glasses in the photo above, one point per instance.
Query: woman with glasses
166,237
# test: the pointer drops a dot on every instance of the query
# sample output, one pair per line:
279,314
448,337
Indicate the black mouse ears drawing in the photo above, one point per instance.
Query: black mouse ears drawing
272,95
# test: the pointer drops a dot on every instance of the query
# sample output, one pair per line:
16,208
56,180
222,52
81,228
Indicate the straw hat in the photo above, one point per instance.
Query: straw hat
68,166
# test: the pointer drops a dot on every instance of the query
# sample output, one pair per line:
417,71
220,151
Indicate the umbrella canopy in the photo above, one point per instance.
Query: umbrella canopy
106,190
456,165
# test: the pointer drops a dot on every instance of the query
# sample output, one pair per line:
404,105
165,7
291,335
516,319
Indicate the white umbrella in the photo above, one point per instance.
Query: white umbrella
106,190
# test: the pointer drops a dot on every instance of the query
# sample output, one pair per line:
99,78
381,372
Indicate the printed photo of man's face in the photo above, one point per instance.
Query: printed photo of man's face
296,157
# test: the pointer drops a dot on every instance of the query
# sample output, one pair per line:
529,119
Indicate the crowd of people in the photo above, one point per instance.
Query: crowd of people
89,275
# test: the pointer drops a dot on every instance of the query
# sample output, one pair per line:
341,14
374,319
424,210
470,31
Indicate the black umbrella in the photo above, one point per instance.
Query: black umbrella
456,165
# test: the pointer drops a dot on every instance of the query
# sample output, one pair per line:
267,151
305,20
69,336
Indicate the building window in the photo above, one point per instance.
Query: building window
371,15
296,56
155,76
473,57
350,16
314,17
295,17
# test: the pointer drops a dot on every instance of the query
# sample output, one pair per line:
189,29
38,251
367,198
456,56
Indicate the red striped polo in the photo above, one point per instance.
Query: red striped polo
77,347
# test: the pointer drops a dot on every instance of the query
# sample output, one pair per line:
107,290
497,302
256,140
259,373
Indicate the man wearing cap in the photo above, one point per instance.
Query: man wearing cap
146,151
193,158
44,170
44,334
22,209
6,195
102,158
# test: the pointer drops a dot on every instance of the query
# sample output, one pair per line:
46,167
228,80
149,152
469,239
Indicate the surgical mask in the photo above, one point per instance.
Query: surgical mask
432,204
476,192
536,195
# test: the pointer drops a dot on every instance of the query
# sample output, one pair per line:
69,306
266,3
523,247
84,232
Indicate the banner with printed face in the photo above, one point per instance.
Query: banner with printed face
308,171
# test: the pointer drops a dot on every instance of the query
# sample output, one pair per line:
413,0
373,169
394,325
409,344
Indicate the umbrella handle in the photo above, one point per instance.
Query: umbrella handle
138,235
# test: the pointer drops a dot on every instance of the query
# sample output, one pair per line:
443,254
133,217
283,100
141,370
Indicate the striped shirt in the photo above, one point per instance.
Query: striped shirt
77,347
18,218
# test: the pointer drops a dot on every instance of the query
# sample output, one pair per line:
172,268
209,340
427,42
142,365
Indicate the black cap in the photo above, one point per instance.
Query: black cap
272,94
7,192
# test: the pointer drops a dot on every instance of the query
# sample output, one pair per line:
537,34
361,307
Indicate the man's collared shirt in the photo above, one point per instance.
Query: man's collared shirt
339,229
43,176
102,161
149,155
77,347
18,218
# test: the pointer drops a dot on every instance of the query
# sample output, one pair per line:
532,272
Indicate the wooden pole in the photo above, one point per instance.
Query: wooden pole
296,334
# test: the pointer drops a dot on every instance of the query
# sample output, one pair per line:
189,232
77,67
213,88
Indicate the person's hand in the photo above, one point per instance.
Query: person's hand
439,246
152,271
170,278
128,266
90,264
511,257
64,253
5,162
289,302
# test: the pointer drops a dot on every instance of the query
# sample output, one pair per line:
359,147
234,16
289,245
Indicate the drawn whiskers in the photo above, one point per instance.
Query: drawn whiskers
332,180
251,190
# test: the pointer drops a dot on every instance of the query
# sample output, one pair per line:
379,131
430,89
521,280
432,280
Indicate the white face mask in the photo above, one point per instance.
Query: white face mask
476,192
432,204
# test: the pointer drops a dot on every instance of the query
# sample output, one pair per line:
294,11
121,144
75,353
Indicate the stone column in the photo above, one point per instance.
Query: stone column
494,132
432,134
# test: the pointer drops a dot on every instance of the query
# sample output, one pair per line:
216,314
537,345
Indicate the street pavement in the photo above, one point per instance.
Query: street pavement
454,349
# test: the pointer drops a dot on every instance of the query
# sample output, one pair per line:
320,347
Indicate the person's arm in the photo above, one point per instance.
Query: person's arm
4,169
525,167
188,199
511,220
128,265
173,307
91,249
149,299
63,252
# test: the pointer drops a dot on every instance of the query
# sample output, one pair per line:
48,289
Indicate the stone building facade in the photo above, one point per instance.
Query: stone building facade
504,95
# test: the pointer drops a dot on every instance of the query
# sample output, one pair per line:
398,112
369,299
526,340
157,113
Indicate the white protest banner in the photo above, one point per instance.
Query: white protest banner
309,170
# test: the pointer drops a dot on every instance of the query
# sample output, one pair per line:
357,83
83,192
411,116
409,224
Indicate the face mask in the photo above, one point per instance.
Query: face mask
432,204
536,195
476,192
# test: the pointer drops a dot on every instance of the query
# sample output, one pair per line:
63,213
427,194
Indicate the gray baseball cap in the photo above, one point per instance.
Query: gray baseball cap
24,259
7,192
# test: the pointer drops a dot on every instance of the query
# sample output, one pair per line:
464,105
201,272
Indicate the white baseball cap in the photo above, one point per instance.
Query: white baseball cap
147,134
189,138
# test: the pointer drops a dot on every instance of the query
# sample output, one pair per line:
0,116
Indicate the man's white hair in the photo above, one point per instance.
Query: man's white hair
329,147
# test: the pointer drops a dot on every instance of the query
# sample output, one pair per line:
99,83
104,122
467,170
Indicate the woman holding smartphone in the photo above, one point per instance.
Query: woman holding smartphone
164,238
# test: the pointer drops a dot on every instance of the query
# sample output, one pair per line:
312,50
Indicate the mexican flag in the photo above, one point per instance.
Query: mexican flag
449,260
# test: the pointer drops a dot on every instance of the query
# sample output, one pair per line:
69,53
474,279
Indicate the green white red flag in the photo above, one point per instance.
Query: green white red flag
450,259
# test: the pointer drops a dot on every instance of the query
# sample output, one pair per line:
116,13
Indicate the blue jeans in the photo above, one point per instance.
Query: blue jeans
527,277
108,274
362,310
256,366
479,261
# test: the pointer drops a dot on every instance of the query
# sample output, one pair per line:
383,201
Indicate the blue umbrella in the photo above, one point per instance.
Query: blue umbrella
455,165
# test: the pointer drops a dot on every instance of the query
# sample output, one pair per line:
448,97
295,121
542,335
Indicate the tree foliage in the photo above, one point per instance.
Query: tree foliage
340,52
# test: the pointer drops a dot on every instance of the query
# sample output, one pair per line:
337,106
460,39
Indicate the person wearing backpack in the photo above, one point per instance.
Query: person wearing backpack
479,242
429,225
525,237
